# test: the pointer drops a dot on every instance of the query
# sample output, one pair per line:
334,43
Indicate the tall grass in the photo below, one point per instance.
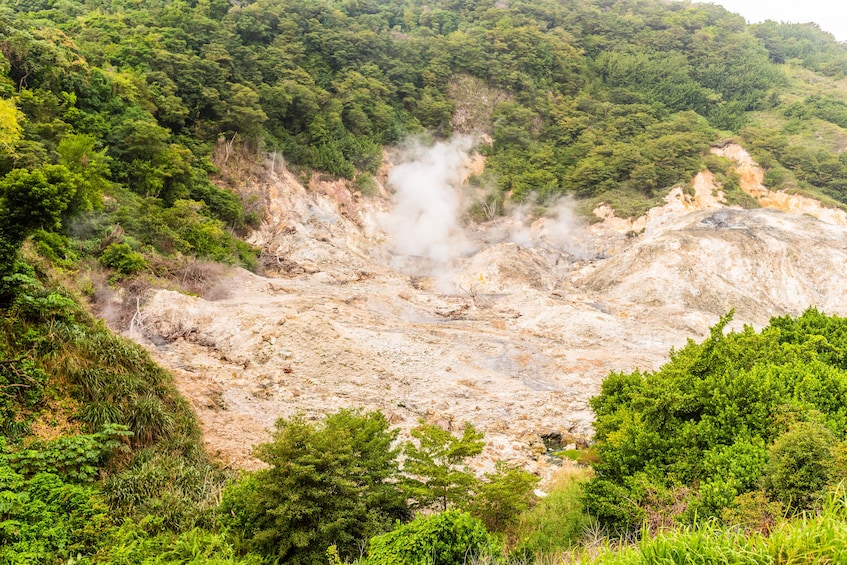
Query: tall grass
558,522
805,540
109,380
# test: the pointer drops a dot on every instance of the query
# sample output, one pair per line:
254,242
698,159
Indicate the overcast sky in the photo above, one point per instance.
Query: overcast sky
830,15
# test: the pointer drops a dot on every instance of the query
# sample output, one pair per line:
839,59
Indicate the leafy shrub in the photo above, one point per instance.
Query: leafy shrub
39,303
44,519
823,107
753,512
54,247
801,465
447,537
775,178
74,457
365,184
187,228
704,421
121,258
224,204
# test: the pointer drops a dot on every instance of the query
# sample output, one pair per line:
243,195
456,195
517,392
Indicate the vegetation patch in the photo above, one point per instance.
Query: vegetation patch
739,413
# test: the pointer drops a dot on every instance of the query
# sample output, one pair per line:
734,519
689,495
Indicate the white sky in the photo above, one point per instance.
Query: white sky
830,15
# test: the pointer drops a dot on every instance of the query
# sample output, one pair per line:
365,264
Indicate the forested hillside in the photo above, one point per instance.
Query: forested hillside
597,99
113,117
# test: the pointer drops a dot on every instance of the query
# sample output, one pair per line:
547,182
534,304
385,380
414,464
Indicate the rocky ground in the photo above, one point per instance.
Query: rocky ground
510,324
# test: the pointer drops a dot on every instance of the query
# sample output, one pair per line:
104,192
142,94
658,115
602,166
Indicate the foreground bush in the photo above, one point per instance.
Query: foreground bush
816,539
449,537
44,518
720,419
333,483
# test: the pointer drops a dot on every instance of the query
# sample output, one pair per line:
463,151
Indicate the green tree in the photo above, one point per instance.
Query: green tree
10,127
333,483
503,497
435,466
29,200
244,115
78,154
34,199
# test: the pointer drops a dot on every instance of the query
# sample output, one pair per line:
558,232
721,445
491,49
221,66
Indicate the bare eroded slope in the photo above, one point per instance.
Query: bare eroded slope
511,326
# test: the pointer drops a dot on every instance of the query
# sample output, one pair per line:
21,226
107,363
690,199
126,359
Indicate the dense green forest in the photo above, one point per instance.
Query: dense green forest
605,100
113,114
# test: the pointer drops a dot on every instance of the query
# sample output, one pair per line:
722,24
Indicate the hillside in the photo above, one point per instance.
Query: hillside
465,215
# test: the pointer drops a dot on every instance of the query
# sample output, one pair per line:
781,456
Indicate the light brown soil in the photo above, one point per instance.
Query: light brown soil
517,348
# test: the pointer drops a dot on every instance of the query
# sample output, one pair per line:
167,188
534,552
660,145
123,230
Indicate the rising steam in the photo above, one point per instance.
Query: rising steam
560,229
424,229
428,203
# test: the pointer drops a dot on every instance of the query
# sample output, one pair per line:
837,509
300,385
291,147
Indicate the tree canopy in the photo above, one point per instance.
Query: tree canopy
595,98
332,484
738,413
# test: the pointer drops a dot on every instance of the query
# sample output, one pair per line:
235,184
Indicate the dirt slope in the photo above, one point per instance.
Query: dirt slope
752,177
513,332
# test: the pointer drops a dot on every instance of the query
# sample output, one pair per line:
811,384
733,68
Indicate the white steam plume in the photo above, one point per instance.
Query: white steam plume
428,203
566,232
560,229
